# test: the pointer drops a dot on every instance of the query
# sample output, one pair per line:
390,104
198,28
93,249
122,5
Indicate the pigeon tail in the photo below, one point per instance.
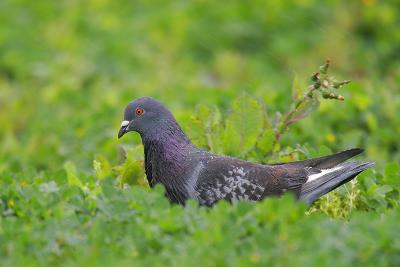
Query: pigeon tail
325,162
318,184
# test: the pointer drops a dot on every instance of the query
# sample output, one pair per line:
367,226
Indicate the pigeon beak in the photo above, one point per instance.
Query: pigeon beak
124,129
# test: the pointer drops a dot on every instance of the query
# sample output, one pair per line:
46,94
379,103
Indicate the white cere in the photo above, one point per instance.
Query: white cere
124,123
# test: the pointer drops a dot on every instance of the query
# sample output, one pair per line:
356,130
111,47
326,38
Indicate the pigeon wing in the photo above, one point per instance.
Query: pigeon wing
234,180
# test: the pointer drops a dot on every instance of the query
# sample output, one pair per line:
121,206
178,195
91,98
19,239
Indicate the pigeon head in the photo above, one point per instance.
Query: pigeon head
149,118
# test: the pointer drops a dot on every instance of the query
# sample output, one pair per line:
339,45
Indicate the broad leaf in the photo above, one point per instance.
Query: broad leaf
243,125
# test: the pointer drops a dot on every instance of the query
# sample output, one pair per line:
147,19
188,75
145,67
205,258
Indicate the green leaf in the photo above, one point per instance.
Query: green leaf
208,128
72,177
50,187
243,125
392,173
266,141
101,166
304,109
383,190
132,170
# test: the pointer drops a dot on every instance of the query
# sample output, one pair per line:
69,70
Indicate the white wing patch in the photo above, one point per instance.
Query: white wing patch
323,172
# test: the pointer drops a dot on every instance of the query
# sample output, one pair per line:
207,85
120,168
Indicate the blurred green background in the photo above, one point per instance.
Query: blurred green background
68,68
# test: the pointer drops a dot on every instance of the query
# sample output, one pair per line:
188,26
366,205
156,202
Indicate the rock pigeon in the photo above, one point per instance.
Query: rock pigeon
188,172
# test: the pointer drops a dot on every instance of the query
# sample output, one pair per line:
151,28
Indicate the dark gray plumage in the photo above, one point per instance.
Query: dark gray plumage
188,172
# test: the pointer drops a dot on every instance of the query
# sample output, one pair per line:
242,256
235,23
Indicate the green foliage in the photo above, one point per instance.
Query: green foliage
61,225
72,176
131,171
243,125
71,194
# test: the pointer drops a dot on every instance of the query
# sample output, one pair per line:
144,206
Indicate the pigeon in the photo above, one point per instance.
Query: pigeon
188,172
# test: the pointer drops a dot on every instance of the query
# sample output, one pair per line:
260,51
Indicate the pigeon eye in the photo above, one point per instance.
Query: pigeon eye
139,111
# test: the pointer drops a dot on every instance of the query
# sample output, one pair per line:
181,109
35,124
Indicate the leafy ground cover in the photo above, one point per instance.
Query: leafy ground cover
234,75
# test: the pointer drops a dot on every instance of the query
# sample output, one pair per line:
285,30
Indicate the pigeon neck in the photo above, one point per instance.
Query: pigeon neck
166,134
166,155
168,147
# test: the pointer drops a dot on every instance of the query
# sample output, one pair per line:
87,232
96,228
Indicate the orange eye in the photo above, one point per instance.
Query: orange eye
139,111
